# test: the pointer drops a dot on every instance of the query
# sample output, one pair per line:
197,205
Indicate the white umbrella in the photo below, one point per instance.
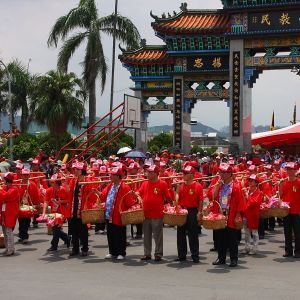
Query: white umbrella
124,150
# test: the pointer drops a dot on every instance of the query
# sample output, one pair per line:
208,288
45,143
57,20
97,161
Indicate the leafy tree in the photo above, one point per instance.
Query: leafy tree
58,100
21,82
161,141
85,17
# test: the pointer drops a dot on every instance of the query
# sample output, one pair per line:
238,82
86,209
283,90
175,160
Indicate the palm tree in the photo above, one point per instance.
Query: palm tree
20,87
86,18
57,101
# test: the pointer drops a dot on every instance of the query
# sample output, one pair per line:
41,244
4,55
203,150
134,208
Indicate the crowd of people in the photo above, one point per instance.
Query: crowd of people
236,186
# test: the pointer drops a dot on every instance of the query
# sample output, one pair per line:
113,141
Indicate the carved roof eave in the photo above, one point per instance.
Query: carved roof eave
131,57
161,32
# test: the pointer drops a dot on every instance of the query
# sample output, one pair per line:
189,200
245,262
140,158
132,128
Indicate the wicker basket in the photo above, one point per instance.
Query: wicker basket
214,224
93,215
264,213
278,212
174,219
134,216
49,230
2,244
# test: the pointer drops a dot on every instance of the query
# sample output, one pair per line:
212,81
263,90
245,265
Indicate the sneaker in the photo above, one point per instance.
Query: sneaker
51,249
102,232
10,253
245,251
146,257
25,241
120,257
4,252
84,253
253,251
109,256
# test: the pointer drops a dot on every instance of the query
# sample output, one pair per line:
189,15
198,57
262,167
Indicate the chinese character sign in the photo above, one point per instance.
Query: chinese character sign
177,112
208,63
236,76
274,20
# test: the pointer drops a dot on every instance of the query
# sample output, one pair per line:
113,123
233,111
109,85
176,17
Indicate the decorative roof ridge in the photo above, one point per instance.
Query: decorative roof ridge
186,12
144,48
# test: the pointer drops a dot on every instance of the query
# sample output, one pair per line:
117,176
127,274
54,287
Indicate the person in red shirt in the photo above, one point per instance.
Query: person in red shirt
154,193
29,195
118,197
231,199
254,199
290,193
57,198
9,205
190,197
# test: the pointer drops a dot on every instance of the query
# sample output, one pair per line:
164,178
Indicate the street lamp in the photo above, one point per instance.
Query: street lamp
10,111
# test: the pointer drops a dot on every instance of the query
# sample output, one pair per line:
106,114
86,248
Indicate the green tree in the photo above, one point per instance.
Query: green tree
58,100
161,141
21,82
85,17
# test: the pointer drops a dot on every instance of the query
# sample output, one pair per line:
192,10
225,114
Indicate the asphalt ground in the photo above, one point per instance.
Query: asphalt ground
32,273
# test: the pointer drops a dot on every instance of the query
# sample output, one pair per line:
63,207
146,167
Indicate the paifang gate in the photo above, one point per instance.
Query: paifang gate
205,49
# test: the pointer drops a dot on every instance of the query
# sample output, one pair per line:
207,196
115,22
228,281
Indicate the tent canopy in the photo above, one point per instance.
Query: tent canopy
284,136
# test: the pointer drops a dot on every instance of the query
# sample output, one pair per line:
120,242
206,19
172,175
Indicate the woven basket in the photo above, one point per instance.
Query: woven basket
93,215
49,230
132,217
2,244
278,212
264,213
174,219
214,224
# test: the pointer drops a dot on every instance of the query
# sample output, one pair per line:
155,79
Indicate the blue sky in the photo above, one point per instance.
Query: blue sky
25,26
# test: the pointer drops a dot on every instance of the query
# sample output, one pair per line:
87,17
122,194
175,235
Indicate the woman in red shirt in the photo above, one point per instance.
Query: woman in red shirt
254,198
9,204
191,198
290,193
57,197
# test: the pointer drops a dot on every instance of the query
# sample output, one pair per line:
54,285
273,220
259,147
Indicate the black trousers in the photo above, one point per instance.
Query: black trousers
24,224
58,234
79,232
269,223
190,229
116,238
261,228
227,239
291,223
99,226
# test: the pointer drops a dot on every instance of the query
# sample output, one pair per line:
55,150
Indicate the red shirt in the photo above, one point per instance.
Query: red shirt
59,195
190,195
291,195
153,195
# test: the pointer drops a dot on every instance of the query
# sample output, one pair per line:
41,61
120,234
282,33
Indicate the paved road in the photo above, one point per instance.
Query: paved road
34,274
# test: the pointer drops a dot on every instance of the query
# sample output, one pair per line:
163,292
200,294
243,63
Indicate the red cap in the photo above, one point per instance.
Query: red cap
63,166
19,166
252,168
103,170
253,177
35,162
231,162
25,171
95,166
153,168
291,165
156,158
99,161
147,165
194,164
188,169
269,167
249,162
226,168
55,177
9,176
277,163
92,160
162,164
79,166
134,165
116,171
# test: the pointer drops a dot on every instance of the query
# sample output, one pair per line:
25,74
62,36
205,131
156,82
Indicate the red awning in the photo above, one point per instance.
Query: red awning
284,136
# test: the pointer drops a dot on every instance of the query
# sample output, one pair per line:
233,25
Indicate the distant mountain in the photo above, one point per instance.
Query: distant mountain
255,129
195,128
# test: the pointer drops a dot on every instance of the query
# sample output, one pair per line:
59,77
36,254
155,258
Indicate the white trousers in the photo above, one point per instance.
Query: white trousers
8,239
248,237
